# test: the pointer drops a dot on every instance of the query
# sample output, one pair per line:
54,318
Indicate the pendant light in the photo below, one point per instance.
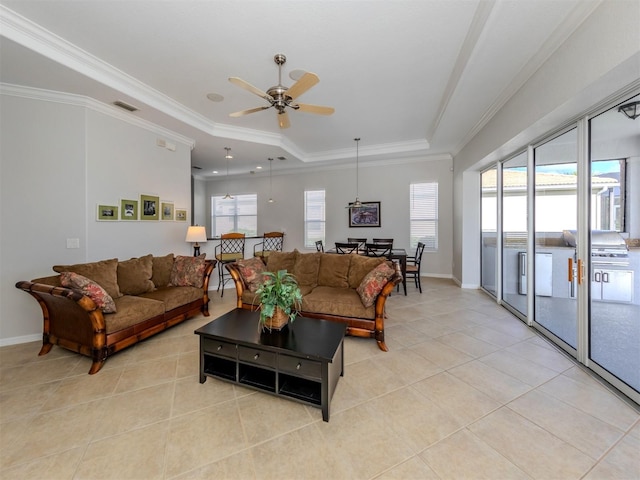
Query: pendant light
271,200
227,157
357,203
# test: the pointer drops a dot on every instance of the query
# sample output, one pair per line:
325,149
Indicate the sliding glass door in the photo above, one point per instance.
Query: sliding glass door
489,255
614,320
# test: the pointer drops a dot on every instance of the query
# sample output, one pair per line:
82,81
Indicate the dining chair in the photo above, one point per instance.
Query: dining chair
383,240
378,249
413,269
271,242
347,247
229,250
359,241
319,246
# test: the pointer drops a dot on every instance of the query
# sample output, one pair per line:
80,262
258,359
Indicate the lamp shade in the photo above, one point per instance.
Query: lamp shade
196,233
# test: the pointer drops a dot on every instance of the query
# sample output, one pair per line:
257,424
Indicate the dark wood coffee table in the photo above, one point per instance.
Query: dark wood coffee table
302,362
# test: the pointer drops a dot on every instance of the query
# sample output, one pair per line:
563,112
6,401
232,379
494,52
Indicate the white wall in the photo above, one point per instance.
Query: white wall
388,184
58,160
602,57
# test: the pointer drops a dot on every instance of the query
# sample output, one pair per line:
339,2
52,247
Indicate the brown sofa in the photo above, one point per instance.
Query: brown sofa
329,285
149,295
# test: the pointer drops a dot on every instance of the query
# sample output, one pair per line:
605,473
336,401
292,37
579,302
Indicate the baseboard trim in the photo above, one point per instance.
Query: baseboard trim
5,342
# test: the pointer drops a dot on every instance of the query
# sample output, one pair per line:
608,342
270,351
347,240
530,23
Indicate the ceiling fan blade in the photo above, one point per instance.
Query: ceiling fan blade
247,86
307,81
317,109
283,120
248,111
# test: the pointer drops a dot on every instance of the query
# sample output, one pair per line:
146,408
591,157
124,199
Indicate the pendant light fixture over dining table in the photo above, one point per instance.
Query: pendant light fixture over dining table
227,157
357,203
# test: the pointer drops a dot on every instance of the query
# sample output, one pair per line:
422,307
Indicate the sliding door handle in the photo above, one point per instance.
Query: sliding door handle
580,271
570,269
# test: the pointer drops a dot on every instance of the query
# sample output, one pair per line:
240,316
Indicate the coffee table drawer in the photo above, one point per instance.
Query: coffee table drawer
300,366
223,349
256,356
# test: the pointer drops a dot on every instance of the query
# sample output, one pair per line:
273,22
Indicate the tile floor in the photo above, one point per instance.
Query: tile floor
466,391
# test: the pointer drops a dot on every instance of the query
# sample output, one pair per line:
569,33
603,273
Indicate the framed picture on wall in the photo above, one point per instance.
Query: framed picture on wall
181,214
107,213
150,207
128,209
166,211
368,215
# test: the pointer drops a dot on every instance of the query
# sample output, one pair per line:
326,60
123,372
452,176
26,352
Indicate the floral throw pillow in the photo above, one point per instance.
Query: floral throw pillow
251,271
91,289
187,271
373,283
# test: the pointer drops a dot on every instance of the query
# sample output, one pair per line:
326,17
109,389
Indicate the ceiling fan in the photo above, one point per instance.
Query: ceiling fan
281,97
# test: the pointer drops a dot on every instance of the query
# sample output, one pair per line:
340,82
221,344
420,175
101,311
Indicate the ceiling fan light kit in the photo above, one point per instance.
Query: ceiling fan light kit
281,97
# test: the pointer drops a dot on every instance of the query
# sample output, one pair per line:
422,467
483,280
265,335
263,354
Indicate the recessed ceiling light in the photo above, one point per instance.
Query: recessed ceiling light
259,167
215,171
215,97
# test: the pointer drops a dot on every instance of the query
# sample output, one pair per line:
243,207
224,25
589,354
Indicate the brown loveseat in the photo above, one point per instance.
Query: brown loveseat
329,284
149,294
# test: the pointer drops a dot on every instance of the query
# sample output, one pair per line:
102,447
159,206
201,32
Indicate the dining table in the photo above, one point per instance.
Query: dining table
397,254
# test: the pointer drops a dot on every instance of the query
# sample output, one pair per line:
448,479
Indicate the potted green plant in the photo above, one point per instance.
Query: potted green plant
280,299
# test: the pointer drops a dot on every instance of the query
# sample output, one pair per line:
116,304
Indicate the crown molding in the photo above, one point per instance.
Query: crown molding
92,104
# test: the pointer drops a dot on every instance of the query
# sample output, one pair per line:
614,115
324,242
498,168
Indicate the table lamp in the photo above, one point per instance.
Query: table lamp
195,234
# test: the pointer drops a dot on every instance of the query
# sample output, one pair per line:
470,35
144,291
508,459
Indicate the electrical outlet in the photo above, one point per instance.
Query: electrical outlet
73,243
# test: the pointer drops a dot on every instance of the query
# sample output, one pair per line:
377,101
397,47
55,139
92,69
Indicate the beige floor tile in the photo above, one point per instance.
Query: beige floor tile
203,437
442,355
135,409
459,399
406,365
137,454
430,328
363,445
511,326
463,455
414,468
414,418
82,388
404,335
519,368
40,372
234,467
531,448
492,382
145,374
491,336
265,416
538,355
357,349
191,395
467,344
567,423
622,462
592,398
61,466
370,378
25,401
49,433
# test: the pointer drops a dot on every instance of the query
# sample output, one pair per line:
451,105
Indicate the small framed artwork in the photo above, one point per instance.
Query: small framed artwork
166,210
107,212
150,207
128,209
368,215
181,214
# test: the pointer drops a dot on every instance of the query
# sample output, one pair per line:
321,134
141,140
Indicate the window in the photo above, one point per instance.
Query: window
423,214
238,214
314,217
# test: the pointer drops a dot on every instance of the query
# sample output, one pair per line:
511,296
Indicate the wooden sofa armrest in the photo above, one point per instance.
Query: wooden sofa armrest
232,268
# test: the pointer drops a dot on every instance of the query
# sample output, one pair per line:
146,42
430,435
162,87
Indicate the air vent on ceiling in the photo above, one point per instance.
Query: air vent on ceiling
196,167
124,105
281,158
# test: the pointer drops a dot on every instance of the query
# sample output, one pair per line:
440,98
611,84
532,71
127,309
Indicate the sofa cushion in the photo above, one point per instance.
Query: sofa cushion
343,302
162,267
306,268
187,271
134,276
373,283
282,261
334,270
251,271
360,266
91,289
132,310
104,273
174,297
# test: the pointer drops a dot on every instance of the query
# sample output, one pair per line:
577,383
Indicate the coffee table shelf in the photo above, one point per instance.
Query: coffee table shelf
303,362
